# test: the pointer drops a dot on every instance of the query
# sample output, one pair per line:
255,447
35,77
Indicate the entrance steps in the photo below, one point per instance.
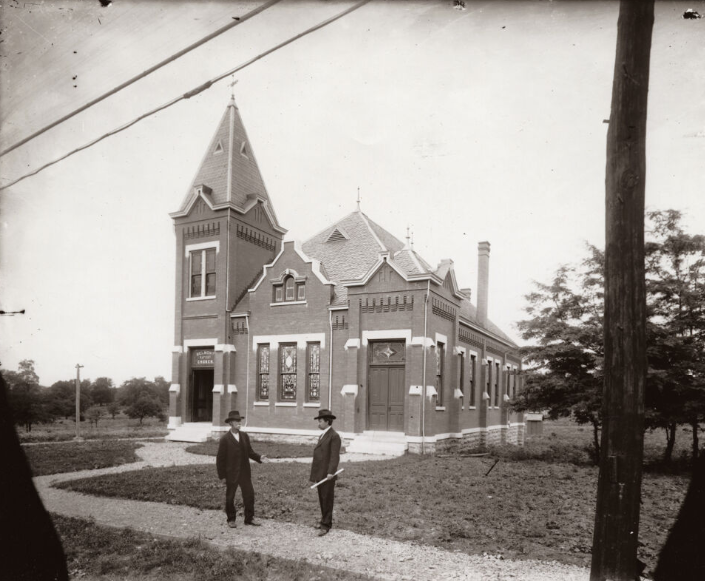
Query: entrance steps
381,443
191,432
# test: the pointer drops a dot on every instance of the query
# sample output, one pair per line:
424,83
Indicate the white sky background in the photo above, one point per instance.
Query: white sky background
482,124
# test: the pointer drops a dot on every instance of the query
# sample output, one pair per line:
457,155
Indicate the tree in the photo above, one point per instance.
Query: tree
146,405
94,414
61,397
102,391
113,408
676,334
161,387
25,396
566,357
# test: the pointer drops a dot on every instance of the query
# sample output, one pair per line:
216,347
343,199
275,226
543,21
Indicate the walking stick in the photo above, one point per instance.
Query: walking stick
326,479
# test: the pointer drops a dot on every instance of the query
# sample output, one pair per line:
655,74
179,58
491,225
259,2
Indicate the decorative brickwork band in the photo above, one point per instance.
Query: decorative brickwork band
380,306
202,230
238,327
340,324
441,309
470,338
255,238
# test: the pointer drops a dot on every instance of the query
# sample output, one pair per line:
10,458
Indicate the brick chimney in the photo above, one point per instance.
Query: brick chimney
483,279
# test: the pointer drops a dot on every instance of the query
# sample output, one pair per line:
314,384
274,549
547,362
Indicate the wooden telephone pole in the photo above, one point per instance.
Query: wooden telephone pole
614,549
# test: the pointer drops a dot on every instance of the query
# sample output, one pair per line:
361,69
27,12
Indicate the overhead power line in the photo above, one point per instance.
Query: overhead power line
192,92
236,21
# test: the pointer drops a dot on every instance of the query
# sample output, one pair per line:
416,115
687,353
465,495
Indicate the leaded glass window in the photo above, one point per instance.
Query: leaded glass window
314,372
287,370
263,372
440,356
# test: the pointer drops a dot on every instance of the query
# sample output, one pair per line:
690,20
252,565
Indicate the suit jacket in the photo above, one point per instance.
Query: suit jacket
326,456
233,459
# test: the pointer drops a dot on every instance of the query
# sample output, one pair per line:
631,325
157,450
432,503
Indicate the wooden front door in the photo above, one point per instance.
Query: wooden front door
386,399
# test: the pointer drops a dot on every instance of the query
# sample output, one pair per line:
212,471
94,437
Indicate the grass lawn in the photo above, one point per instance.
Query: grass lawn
269,449
72,456
536,503
95,552
120,427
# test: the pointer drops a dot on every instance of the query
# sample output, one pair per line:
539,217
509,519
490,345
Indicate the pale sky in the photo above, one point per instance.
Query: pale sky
481,124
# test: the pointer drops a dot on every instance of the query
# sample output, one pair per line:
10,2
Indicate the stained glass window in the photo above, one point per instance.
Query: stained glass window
263,372
287,367
314,372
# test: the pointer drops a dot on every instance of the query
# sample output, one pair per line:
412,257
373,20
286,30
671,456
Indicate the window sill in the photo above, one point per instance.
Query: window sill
261,404
285,303
285,404
312,405
472,407
440,408
200,298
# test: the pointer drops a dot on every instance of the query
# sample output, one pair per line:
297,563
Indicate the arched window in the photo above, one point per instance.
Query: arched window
289,288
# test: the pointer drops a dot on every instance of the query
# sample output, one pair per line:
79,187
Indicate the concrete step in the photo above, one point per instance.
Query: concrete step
191,432
382,443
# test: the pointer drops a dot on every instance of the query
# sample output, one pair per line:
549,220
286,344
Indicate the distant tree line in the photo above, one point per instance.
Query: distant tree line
33,404
565,328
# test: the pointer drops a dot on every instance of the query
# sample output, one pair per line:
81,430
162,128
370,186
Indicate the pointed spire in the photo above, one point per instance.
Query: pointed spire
229,166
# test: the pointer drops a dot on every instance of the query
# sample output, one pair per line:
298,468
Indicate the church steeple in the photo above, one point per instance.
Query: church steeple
229,168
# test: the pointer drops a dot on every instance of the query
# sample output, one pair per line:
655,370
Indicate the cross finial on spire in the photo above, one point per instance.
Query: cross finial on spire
232,87
358,198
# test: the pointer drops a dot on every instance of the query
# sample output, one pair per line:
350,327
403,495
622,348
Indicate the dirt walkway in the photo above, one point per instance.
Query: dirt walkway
381,558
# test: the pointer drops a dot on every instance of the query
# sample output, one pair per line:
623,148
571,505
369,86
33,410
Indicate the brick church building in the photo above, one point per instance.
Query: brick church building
352,320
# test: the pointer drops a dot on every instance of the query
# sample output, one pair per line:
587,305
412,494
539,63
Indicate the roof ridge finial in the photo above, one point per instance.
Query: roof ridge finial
412,239
358,198
407,237
232,88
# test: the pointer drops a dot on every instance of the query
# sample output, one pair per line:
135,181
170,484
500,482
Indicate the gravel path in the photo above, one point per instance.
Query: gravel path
377,557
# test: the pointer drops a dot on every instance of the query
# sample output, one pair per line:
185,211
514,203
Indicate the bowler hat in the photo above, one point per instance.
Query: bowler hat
234,416
324,415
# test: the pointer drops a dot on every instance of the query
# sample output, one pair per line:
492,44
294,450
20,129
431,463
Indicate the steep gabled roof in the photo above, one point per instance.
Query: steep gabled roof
351,257
229,168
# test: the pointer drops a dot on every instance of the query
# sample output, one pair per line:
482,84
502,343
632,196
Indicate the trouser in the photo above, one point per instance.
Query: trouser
248,499
326,494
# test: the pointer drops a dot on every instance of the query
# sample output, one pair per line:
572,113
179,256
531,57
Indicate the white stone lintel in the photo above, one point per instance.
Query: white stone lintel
349,389
175,388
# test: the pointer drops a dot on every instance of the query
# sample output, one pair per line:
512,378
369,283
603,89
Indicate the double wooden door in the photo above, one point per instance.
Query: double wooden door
386,402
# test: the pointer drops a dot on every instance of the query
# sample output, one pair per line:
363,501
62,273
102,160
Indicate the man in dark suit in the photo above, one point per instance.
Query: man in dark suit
326,456
233,465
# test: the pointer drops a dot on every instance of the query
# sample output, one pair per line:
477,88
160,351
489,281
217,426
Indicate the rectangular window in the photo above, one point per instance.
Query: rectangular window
300,292
287,372
278,294
473,369
440,356
202,273
263,372
508,387
289,289
313,372
488,383
461,372
496,385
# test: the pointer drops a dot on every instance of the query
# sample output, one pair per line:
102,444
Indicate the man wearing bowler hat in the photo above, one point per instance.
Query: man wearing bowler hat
326,456
233,465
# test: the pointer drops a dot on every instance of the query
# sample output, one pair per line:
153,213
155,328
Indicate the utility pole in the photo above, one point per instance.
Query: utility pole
78,402
615,539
